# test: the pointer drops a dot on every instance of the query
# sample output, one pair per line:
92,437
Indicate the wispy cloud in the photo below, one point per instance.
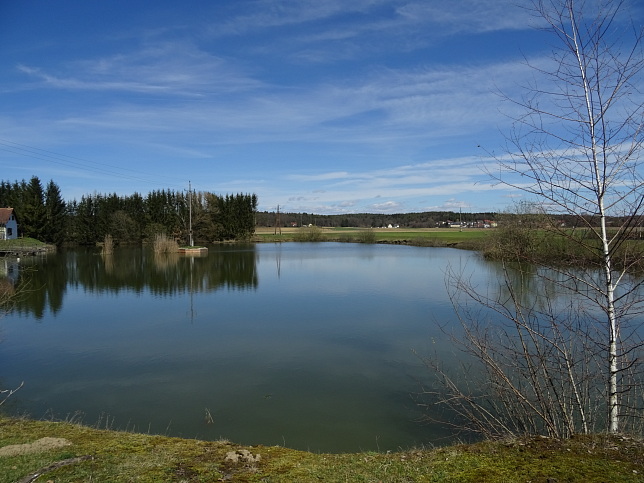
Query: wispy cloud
171,69
390,105
472,16
386,207
279,13
389,18
333,106
334,31
450,205
319,177
363,188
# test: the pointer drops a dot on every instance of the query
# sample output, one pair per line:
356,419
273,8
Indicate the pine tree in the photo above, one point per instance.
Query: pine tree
55,215
32,214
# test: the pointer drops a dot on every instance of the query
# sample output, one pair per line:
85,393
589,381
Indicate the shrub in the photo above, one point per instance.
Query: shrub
309,234
164,244
367,236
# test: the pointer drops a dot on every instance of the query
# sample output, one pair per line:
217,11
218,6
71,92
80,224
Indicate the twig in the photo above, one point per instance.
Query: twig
70,461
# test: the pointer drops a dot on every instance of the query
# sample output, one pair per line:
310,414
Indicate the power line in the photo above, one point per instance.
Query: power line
78,163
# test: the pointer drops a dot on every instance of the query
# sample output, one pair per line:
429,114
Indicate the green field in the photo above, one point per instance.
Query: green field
466,238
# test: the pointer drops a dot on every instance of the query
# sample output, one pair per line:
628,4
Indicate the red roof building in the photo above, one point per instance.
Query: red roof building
8,224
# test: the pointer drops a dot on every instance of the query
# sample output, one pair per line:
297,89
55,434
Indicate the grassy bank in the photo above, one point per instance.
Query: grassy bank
23,242
66,452
23,247
467,238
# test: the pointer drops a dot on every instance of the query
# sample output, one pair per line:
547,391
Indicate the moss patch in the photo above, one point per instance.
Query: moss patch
101,455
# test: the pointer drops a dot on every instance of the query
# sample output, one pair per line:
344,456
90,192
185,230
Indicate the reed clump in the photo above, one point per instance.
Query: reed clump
108,245
164,244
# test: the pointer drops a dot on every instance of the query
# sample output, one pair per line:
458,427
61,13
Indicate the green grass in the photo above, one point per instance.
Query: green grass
122,456
24,242
467,238
562,248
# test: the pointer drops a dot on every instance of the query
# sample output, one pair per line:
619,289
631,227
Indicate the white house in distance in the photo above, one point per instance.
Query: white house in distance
8,224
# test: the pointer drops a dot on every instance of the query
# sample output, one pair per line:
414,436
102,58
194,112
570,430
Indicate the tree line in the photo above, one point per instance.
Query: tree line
43,214
426,219
527,215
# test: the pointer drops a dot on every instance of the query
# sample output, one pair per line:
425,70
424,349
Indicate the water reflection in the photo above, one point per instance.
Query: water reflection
43,282
318,355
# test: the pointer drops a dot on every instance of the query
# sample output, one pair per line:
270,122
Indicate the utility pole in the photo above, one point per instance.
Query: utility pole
278,222
192,244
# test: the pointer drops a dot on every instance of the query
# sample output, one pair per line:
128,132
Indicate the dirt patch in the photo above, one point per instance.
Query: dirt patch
43,444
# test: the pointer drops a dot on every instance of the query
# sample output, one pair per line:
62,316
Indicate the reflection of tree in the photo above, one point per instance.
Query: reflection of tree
8,274
535,357
41,284
131,269
525,283
230,269
8,278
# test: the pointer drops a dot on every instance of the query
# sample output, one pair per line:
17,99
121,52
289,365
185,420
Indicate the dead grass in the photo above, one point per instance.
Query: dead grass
164,244
101,455
39,446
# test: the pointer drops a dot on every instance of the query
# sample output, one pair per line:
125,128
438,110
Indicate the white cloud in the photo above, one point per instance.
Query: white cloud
391,107
319,177
320,136
386,207
467,15
451,205
163,68
279,13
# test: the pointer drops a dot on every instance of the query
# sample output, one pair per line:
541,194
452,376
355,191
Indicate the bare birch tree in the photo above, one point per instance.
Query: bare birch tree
575,150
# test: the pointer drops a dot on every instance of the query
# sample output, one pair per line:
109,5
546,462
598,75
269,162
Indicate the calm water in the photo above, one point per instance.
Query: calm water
304,345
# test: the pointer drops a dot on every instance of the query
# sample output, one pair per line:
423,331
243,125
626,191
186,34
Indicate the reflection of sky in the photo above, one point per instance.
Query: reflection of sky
324,342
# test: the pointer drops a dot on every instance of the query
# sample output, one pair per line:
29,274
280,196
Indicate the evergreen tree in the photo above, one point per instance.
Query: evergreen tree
55,215
45,215
123,228
5,195
32,212
84,221
237,216
134,206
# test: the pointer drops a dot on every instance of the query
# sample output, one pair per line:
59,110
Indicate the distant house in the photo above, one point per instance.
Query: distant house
8,224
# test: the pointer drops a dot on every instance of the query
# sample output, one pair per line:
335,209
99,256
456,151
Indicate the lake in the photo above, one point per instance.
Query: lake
306,345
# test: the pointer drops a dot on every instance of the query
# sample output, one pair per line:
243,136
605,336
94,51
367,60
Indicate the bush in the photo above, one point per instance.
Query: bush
164,244
367,236
309,234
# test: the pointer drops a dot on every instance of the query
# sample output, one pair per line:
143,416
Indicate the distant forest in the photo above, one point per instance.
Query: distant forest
526,214
43,214
427,219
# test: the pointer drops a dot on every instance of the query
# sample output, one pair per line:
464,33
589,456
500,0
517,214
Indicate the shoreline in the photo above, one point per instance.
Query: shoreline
63,451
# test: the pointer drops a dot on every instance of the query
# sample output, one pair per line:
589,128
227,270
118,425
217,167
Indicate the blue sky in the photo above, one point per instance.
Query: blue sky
321,106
